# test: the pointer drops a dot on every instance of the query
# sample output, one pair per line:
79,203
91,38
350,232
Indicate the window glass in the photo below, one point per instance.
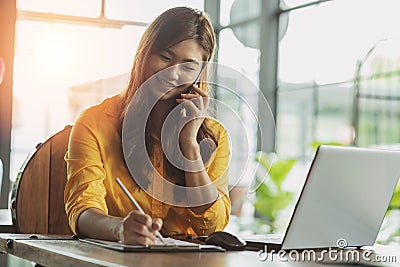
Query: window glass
59,70
88,8
233,11
312,113
321,49
144,11
293,3
245,61
378,98
338,76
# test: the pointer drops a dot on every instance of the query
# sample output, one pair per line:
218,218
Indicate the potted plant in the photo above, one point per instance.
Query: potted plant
271,199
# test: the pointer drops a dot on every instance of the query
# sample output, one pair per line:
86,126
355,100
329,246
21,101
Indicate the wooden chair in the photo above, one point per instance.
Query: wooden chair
37,200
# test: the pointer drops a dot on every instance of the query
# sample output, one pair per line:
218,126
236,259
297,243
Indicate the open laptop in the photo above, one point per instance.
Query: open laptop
343,201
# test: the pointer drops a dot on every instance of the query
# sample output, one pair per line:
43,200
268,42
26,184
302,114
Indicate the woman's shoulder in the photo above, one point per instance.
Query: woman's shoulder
109,107
100,121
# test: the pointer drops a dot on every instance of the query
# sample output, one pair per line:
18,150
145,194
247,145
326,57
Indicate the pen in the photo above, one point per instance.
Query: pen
137,205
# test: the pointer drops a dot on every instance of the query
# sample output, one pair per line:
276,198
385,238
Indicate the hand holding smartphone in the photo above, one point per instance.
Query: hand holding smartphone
196,81
190,89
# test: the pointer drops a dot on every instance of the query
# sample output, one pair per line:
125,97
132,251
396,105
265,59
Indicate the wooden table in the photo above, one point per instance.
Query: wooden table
62,251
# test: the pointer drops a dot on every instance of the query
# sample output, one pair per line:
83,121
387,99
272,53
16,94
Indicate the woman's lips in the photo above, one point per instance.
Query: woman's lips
167,84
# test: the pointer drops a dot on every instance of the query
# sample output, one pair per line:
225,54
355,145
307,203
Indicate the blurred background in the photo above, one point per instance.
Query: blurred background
330,71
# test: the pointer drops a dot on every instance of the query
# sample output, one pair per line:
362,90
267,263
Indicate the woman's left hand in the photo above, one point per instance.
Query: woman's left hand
193,113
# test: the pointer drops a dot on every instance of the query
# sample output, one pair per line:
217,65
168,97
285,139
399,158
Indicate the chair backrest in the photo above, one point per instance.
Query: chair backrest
37,200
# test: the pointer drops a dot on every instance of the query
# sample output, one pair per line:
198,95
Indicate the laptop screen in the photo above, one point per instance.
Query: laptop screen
344,198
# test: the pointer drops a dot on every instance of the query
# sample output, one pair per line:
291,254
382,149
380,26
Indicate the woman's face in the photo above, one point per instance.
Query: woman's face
174,69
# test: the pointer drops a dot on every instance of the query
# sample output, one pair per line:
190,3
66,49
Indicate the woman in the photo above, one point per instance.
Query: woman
172,54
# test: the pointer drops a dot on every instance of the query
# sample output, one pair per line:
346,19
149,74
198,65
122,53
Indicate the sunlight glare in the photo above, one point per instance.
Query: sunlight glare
53,54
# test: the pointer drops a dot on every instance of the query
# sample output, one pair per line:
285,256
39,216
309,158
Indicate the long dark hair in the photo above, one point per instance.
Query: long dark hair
169,28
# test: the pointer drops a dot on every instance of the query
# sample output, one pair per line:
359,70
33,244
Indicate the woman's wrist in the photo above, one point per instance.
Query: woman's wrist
190,148
116,230
96,224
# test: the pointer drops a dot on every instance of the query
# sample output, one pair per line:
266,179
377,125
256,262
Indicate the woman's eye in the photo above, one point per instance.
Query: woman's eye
189,68
165,58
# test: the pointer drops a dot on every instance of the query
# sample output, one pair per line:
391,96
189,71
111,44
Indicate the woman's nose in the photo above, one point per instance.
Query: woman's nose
172,73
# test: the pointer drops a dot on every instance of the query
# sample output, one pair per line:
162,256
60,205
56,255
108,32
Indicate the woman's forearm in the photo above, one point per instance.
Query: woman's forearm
94,223
209,194
136,228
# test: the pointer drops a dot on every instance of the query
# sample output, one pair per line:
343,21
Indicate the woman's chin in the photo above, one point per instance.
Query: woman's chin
169,95
162,92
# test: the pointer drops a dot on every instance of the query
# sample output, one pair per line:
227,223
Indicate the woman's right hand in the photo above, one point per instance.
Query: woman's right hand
138,229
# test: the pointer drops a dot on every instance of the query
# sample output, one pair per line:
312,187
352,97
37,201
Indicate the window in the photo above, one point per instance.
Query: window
338,81
65,64
337,73
89,8
318,60
238,56
239,93
137,10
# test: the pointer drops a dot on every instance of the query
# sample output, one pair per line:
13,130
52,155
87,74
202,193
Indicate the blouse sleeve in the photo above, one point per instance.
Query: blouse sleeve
85,172
216,217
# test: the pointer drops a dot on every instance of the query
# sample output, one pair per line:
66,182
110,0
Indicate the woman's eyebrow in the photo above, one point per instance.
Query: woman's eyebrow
172,53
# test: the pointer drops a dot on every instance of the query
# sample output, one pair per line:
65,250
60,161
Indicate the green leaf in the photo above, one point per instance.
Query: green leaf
265,159
269,206
271,199
265,208
316,144
280,170
395,202
264,191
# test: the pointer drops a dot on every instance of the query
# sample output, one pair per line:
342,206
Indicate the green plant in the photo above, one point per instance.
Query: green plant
394,205
270,197
395,202
316,144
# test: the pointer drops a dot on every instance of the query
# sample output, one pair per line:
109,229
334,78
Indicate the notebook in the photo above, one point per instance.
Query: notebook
173,245
343,201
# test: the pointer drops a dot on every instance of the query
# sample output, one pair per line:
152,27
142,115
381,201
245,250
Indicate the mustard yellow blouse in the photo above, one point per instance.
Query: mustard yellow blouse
94,159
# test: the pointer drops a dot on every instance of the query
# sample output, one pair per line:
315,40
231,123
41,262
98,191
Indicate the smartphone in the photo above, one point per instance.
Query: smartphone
190,89
196,81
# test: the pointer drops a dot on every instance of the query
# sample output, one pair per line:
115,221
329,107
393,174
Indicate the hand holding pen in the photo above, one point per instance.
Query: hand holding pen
138,227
